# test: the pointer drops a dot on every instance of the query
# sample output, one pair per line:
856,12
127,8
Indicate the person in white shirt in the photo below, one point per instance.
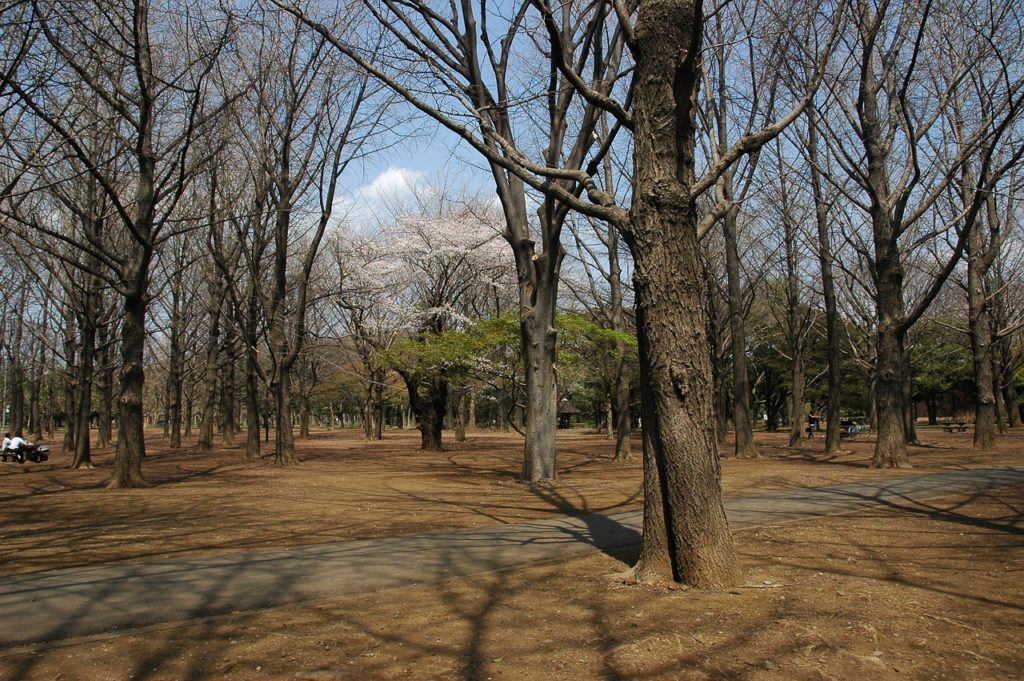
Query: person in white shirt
7,441
18,447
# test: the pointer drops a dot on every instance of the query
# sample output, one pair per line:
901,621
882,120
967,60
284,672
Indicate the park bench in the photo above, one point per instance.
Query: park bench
850,429
32,453
954,427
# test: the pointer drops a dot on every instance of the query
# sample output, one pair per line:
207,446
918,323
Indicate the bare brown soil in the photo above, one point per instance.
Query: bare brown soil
930,591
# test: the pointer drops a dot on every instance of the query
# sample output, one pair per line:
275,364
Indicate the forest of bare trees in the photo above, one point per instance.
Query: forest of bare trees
692,220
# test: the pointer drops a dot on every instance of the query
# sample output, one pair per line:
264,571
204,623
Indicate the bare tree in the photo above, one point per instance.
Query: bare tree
311,116
158,92
892,112
472,59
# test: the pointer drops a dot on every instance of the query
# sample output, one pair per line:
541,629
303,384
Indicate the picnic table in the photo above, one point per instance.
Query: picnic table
955,426
850,428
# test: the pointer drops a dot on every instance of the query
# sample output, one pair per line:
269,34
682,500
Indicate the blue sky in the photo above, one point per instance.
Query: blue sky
425,156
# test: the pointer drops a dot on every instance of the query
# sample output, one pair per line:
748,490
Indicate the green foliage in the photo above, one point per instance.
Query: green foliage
939,358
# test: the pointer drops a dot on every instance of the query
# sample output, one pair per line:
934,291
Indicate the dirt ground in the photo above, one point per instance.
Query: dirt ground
930,591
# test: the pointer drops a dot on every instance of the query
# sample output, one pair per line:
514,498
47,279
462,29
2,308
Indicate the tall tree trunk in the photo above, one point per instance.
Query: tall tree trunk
368,412
229,374
51,397
742,415
378,433
36,390
979,322
460,416
1010,394
873,404
718,368
252,409
821,210
131,444
174,369
18,368
890,445
304,418
104,377
189,417
623,423
794,317
796,421
502,413
997,391
87,332
686,535
909,404
216,291
70,354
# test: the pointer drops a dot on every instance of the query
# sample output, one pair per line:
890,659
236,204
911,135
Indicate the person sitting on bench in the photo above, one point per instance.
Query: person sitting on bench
18,446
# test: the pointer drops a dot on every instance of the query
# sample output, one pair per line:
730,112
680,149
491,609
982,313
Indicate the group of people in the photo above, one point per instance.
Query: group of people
17,447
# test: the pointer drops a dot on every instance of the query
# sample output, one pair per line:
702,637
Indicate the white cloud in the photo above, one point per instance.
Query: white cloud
391,182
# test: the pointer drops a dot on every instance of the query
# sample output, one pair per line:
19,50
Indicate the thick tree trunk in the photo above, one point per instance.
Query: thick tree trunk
130,436
979,321
686,534
429,409
537,331
284,438
891,445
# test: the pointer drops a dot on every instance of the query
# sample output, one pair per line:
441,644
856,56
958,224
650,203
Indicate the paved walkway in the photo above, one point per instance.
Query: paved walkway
75,602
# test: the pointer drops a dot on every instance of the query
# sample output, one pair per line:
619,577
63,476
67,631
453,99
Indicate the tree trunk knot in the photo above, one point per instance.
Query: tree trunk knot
887,375
682,377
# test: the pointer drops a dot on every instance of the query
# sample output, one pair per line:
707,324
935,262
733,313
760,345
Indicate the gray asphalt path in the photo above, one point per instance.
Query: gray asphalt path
81,601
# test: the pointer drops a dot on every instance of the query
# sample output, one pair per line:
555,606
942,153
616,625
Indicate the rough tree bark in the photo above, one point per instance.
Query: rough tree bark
686,535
